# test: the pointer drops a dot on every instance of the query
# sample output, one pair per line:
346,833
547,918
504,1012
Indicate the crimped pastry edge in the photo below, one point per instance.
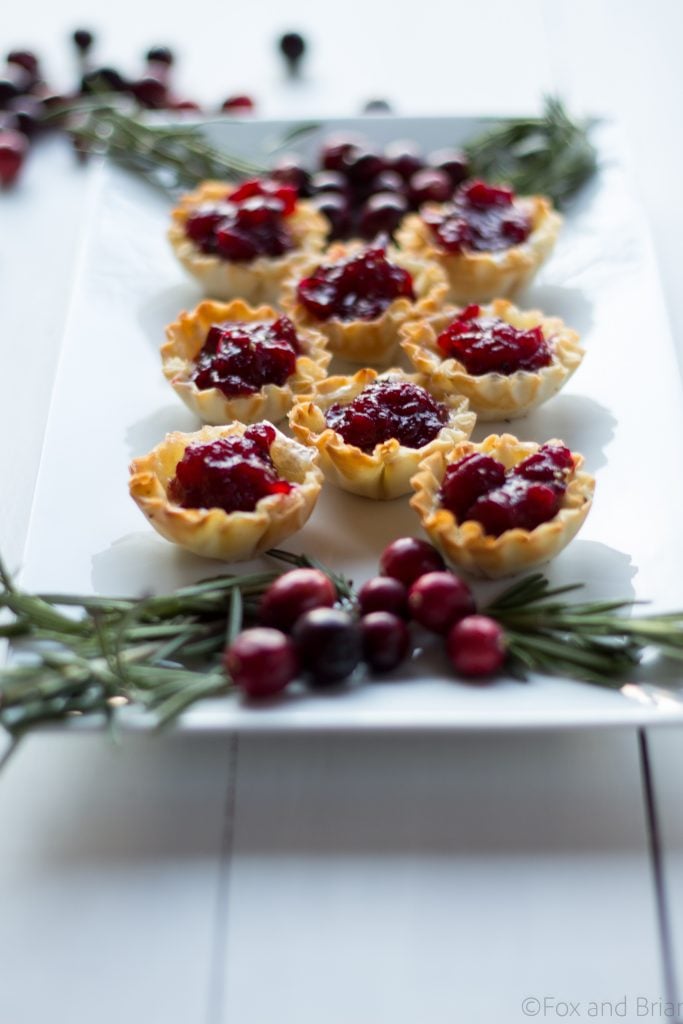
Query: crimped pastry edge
466,545
212,532
186,336
384,473
493,396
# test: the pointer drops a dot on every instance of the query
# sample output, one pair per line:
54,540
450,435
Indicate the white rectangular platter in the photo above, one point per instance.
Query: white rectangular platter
622,409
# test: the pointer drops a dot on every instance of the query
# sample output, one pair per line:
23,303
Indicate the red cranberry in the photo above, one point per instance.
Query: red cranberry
383,594
430,186
381,214
290,170
257,188
240,358
476,646
238,105
359,288
25,59
467,480
404,157
249,225
329,181
388,181
385,409
13,148
83,39
438,599
292,47
337,209
261,662
453,162
336,149
150,92
408,558
294,593
480,217
518,504
160,55
549,465
491,345
328,642
364,164
385,640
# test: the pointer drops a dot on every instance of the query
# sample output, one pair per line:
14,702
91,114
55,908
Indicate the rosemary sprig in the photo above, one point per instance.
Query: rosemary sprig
551,155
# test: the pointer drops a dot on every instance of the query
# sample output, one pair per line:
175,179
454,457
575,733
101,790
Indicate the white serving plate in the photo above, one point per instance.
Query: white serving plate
622,409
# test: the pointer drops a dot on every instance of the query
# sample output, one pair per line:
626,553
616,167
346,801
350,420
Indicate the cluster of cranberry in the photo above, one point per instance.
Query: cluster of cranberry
364,191
304,631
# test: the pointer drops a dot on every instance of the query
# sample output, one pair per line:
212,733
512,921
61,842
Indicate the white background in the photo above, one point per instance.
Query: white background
407,880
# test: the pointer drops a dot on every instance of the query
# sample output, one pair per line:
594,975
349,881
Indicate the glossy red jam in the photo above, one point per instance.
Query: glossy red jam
239,358
232,473
491,345
479,218
385,409
360,288
250,222
478,487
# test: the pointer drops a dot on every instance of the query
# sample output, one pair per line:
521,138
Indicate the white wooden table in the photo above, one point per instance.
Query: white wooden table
297,880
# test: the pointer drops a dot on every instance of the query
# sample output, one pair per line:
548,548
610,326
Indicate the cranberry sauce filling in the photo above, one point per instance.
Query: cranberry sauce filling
479,488
239,358
232,473
480,217
491,345
385,409
360,288
248,223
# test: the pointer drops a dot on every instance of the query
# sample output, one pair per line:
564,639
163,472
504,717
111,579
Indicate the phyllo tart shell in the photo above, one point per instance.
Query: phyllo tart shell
466,545
185,339
212,532
385,472
494,396
257,280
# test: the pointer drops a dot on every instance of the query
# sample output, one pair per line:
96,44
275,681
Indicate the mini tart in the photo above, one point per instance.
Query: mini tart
186,337
494,396
212,532
368,341
385,472
257,280
466,545
481,276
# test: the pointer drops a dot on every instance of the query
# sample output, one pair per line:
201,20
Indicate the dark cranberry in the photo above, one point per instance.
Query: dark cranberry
377,107
517,504
388,181
103,80
430,186
453,162
261,662
381,214
9,90
359,288
363,164
150,92
28,113
408,558
160,55
491,345
240,358
337,209
290,170
385,409
337,149
232,473
238,105
294,593
467,480
480,217
549,465
232,244
249,225
329,181
328,642
385,640
83,39
25,59
292,47
13,148
438,599
476,646
404,157
383,594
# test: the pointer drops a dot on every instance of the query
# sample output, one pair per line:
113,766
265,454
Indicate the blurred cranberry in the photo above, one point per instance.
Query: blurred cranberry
382,213
336,149
103,79
160,55
238,105
363,164
290,170
28,112
13,149
292,46
430,186
183,106
452,161
329,181
337,209
14,82
25,59
404,157
83,40
387,181
150,92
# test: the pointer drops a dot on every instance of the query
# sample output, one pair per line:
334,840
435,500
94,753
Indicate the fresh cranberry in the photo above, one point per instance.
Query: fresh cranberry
480,217
491,345
238,105
404,157
9,90
149,91
363,164
232,473
337,149
83,39
467,480
358,288
13,148
408,558
294,593
430,186
385,639
337,209
261,662
453,162
160,55
240,358
383,594
476,646
388,181
267,188
381,214
292,47
438,599
385,409
329,181
25,59
328,642
289,170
